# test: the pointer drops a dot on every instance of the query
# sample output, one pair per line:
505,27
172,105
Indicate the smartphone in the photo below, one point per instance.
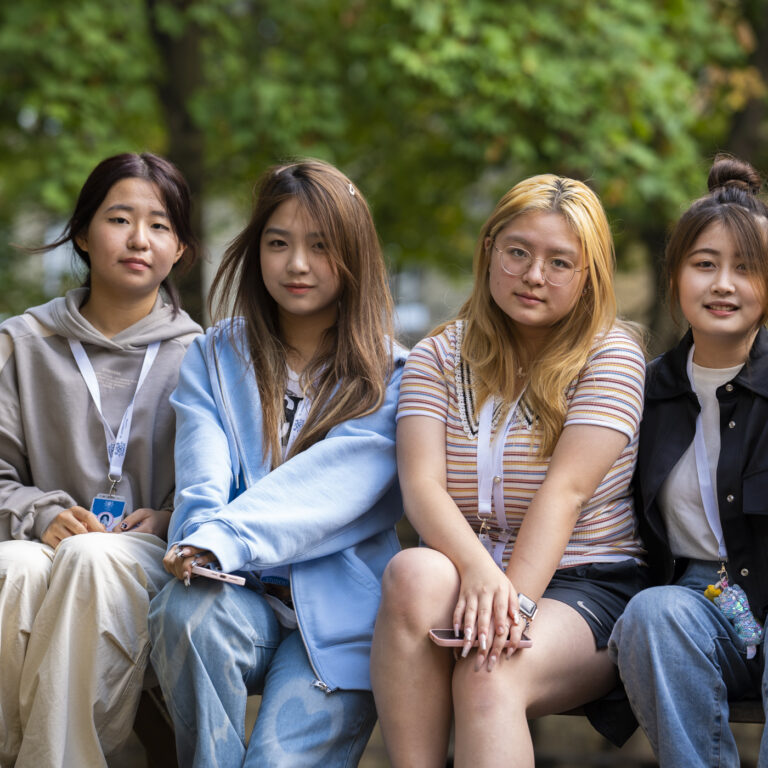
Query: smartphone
209,573
447,638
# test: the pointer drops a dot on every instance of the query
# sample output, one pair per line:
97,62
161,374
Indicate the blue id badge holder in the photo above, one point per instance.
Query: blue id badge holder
108,509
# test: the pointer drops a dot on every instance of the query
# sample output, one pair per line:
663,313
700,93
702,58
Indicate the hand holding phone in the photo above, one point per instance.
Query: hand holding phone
447,638
209,573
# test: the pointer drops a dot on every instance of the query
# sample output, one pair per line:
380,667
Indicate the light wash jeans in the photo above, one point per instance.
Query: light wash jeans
681,660
213,645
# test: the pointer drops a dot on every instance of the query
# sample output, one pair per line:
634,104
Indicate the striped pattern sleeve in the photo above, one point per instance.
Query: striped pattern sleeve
424,390
609,390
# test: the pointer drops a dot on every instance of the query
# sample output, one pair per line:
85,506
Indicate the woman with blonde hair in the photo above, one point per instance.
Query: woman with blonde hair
516,440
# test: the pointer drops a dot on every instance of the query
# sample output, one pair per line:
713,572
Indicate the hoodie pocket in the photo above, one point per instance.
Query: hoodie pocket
357,569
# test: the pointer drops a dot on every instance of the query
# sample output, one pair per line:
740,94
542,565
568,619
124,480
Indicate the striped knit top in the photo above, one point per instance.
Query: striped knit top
608,393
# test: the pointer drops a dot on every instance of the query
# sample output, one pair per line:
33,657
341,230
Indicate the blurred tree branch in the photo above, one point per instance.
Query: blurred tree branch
434,106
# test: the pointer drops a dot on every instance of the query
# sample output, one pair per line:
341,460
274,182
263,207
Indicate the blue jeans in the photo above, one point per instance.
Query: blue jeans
681,660
214,645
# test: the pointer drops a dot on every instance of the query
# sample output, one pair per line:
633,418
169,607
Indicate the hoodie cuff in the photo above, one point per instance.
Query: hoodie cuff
231,553
44,514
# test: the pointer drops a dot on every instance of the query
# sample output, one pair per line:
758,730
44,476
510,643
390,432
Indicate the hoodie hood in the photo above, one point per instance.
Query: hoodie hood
53,450
62,317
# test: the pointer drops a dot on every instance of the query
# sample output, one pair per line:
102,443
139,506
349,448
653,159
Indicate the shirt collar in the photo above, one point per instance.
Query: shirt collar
668,378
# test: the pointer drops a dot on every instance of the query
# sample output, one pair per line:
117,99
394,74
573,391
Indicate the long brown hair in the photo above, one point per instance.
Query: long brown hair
347,377
491,345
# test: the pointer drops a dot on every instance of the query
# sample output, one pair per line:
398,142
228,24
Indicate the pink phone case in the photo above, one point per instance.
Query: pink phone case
445,637
218,575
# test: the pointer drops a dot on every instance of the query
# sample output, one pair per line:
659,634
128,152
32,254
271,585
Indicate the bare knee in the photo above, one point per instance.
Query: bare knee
485,694
419,587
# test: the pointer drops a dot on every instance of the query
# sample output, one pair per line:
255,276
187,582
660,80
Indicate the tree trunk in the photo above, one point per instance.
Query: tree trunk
181,76
746,138
663,332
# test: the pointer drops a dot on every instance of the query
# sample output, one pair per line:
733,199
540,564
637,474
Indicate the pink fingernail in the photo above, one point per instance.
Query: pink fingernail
515,618
468,633
482,641
456,629
465,651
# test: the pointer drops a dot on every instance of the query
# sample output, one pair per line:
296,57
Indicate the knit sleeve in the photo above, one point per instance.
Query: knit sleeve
609,390
424,389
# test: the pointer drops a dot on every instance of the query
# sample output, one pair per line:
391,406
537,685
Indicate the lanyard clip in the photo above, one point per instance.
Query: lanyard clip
114,482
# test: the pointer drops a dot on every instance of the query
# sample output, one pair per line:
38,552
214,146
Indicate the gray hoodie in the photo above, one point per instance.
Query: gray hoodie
53,451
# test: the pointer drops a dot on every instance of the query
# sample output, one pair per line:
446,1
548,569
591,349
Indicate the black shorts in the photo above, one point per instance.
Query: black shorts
599,592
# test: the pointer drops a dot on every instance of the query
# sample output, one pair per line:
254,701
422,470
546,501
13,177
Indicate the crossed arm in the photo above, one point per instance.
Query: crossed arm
488,596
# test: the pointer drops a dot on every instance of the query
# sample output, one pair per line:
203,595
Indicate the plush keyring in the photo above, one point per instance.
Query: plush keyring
732,601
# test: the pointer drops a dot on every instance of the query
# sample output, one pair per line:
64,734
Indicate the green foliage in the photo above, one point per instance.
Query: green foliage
617,91
73,77
434,107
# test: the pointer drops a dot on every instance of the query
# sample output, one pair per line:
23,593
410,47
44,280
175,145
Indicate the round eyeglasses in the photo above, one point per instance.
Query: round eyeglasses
556,270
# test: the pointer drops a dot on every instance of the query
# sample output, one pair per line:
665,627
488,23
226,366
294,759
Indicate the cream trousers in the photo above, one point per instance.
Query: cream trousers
74,645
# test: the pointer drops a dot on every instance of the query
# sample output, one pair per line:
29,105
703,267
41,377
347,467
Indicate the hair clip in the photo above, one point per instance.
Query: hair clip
352,190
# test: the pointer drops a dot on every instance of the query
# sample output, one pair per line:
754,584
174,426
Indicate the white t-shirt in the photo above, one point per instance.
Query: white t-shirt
689,531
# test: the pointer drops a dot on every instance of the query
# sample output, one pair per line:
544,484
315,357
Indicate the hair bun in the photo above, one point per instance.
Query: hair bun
728,171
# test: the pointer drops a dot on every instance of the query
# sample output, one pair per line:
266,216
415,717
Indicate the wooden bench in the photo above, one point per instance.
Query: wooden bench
747,711
154,727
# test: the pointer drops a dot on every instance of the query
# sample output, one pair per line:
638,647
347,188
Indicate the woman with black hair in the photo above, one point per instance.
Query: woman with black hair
86,469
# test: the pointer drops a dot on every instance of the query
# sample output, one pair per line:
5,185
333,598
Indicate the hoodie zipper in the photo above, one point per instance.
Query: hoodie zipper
227,411
318,683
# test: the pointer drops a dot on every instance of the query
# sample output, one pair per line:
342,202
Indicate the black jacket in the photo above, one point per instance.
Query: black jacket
668,428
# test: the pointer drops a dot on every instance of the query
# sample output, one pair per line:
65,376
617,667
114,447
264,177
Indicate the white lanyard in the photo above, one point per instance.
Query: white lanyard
706,485
116,445
490,476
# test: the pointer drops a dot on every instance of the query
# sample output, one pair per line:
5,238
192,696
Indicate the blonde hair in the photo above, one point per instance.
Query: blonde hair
491,343
347,378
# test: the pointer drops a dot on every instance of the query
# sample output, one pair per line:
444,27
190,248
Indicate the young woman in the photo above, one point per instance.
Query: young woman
285,459
702,485
516,442
86,430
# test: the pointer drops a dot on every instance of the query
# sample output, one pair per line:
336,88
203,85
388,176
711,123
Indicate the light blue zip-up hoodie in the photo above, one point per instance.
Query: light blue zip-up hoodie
328,512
